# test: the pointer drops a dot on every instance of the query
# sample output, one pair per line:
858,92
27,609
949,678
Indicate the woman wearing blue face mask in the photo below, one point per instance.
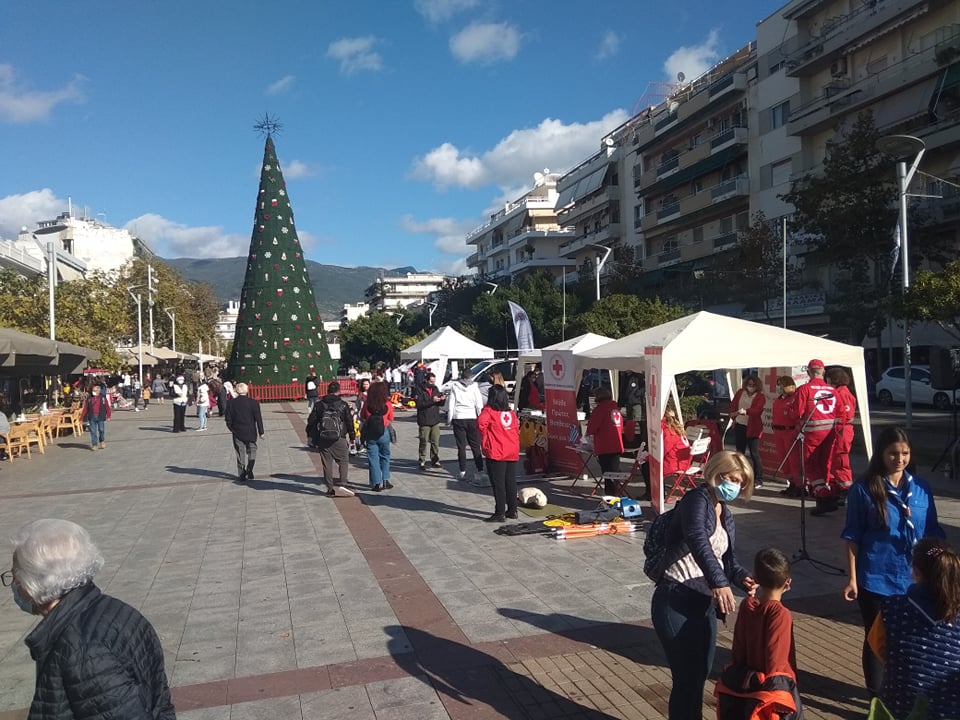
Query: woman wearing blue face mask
695,589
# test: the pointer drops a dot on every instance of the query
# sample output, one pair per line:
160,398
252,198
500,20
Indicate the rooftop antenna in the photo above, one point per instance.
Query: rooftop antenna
681,77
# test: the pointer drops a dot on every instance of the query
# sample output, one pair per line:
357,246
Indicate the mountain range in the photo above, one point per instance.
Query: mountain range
333,285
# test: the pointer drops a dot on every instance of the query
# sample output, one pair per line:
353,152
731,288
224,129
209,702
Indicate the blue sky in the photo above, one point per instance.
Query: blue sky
405,122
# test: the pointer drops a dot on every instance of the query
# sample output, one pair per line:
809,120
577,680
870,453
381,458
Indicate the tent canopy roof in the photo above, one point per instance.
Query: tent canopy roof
578,345
447,342
706,341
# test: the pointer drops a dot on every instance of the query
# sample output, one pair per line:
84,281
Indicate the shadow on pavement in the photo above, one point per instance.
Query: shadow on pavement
402,502
199,471
295,484
461,674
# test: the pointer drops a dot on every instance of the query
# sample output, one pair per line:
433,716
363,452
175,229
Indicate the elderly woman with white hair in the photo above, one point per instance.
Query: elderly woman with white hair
97,658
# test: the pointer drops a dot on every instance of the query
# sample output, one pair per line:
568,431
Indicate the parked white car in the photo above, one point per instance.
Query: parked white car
891,388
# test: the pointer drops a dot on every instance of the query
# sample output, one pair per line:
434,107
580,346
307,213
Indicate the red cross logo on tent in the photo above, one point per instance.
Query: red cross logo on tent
652,392
520,316
771,379
557,367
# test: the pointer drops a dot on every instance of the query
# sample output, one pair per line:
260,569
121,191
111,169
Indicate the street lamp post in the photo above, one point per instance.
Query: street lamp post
903,146
139,301
173,326
601,261
432,306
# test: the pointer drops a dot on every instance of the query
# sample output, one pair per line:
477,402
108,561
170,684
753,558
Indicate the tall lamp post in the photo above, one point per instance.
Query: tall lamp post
139,301
903,147
173,326
601,261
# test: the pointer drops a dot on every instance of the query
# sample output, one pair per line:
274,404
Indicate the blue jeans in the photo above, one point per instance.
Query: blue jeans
378,455
202,414
98,431
686,625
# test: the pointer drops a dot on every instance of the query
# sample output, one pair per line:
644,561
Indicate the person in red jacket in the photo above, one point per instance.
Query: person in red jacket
606,428
500,442
676,446
746,409
785,435
841,476
815,415
96,411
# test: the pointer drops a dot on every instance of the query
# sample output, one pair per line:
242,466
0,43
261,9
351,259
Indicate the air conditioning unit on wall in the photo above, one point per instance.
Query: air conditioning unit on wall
838,68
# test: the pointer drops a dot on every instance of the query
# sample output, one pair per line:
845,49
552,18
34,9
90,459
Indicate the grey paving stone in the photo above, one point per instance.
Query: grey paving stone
339,704
400,693
283,708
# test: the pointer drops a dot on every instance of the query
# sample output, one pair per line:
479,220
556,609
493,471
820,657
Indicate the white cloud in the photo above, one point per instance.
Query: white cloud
438,10
609,46
171,239
18,211
355,54
296,169
20,105
551,144
450,233
485,42
695,60
281,86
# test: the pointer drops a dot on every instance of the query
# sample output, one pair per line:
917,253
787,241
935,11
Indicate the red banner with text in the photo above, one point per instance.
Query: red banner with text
563,427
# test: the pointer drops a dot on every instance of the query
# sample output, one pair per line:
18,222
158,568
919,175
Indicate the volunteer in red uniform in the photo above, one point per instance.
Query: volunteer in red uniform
785,435
746,409
676,447
815,414
606,428
500,442
841,476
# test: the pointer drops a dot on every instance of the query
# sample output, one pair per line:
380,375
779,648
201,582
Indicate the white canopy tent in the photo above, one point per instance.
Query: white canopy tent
447,343
705,341
578,344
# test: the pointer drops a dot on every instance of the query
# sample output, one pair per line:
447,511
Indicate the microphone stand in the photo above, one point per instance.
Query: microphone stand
803,553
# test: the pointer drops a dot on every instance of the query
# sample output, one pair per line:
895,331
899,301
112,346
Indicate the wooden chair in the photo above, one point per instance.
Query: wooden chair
34,434
46,427
17,442
76,421
61,422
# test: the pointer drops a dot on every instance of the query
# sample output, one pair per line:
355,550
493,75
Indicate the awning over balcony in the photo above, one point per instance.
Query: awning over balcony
685,175
903,106
579,190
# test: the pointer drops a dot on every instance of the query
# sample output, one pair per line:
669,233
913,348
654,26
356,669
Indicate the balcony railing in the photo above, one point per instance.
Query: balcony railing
668,210
736,186
721,85
668,255
668,165
721,242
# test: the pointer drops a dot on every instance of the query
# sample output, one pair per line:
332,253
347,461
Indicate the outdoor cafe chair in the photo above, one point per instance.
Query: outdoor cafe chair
688,479
34,433
17,442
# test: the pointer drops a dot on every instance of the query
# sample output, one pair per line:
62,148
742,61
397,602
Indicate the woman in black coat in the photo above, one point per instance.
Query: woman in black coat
97,658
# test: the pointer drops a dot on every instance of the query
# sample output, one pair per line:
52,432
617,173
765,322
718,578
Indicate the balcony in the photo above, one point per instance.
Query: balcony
608,232
696,161
531,203
668,211
723,241
668,256
668,166
842,30
731,188
528,233
910,82
727,138
472,260
590,205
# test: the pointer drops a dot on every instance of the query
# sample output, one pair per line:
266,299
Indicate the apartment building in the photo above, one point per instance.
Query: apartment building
691,171
396,292
525,235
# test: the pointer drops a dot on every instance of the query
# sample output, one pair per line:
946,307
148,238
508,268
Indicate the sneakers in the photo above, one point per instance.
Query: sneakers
103,446
422,465
462,475
341,491
331,492
436,464
387,485
495,519
481,480
377,488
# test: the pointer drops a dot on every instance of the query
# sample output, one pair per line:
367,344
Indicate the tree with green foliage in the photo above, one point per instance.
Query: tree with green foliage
759,276
849,212
618,315
935,296
373,339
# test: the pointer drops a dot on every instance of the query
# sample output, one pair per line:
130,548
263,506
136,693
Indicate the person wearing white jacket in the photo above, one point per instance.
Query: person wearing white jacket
464,403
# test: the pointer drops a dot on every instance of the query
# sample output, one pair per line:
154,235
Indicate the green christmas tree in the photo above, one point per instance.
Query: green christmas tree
279,333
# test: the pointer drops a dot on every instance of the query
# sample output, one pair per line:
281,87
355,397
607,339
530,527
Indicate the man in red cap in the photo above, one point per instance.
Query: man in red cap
815,410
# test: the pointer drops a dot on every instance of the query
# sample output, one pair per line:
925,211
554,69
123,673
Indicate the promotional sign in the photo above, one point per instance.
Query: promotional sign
522,327
656,403
771,457
563,427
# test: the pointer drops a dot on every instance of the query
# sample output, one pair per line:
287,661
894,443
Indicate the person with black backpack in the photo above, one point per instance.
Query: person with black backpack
328,427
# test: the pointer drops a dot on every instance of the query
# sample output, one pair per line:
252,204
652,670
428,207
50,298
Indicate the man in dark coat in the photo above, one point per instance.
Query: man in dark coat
333,450
429,401
312,387
245,422
97,658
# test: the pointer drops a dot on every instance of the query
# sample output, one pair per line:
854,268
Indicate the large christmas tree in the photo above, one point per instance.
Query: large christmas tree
279,333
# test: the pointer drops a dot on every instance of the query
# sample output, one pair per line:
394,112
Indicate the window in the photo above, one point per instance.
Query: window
779,114
696,187
698,234
895,373
743,221
670,244
694,141
637,212
778,67
726,225
780,172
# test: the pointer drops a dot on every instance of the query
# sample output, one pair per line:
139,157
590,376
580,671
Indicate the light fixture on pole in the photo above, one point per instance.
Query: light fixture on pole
432,306
151,289
903,147
139,301
173,326
601,261
52,286
493,285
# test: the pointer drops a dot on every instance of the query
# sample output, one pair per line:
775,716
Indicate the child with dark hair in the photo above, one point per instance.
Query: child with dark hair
917,636
761,680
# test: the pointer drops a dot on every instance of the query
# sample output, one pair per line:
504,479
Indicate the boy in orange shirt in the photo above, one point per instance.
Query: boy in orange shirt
761,680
